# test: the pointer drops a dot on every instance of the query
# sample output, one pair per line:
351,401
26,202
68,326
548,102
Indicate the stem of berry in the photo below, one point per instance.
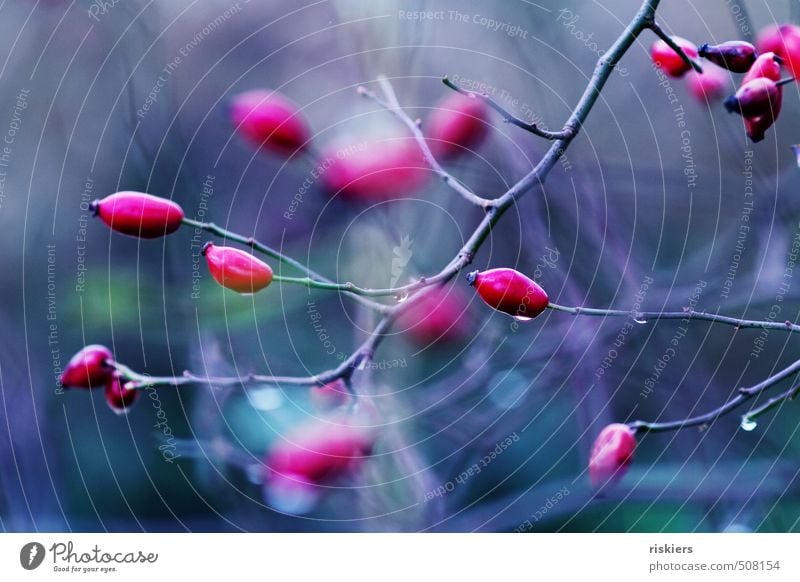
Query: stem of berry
656,28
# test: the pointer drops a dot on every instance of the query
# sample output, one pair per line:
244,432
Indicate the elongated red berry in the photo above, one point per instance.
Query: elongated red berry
439,316
271,120
784,41
89,368
668,60
138,214
611,454
119,398
458,124
380,171
329,396
236,269
755,98
510,291
767,65
735,55
709,85
319,452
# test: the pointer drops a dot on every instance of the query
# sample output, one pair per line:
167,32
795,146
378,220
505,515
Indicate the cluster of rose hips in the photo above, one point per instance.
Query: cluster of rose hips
384,169
314,454
93,367
759,97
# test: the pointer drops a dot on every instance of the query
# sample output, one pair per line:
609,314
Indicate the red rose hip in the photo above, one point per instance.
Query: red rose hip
271,120
709,85
439,316
784,41
736,55
611,454
317,453
668,60
510,291
767,65
119,398
758,97
236,269
459,123
382,171
138,214
89,368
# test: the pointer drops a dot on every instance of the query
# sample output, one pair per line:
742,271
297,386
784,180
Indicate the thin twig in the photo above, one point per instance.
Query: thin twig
789,394
359,358
744,394
643,316
413,127
509,117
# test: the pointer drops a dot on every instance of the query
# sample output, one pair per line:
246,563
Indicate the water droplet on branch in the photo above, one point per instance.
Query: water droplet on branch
748,424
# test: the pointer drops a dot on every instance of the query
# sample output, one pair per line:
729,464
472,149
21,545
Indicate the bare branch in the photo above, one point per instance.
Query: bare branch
744,394
643,316
509,117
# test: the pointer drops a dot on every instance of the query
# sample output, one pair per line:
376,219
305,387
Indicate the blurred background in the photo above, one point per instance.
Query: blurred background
661,201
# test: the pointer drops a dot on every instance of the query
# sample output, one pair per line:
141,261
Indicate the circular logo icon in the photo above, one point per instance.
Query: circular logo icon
31,555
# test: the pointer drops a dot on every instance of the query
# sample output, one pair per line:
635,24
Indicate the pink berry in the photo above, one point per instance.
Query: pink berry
440,315
735,55
784,41
709,85
459,123
119,398
236,269
668,60
510,291
766,66
138,214
755,98
384,170
320,452
89,368
611,454
270,120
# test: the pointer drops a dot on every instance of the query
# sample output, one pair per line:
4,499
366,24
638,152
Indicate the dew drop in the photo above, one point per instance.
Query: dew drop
639,318
402,296
362,364
521,318
748,424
